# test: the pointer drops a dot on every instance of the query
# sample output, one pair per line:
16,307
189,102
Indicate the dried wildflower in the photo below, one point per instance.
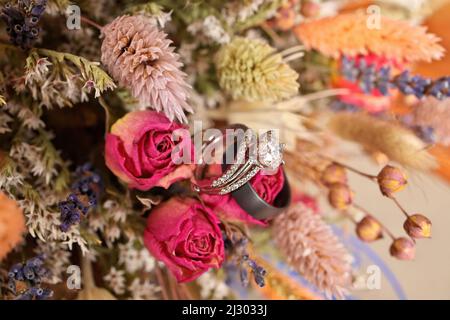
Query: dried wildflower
403,249
22,21
84,196
373,79
116,280
212,287
210,29
313,250
334,173
369,229
140,57
12,225
57,259
348,34
24,280
396,142
62,79
143,290
153,11
418,226
238,258
250,69
391,180
340,196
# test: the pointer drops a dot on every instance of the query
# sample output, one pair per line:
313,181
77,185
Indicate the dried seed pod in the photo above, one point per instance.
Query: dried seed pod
334,173
340,196
403,249
369,229
418,226
391,180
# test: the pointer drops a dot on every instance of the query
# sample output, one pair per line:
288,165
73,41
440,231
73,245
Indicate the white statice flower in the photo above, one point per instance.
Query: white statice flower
161,19
28,118
97,222
112,233
5,119
135,259
115,279
148,260
144,290
39,72
212,287
209,29
30,154
249,10
114,210
129,257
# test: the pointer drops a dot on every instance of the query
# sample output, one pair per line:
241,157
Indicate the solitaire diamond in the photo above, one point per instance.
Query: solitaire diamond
269,151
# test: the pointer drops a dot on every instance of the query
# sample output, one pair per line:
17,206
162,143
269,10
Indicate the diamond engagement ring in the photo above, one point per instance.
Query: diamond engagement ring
252,154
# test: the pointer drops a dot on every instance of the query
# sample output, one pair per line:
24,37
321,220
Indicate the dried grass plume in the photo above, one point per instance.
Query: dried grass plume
348,34
313,250
140,57
396,142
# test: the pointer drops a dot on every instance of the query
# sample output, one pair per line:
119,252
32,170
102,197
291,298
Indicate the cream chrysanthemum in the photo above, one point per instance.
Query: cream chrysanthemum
140,57
250,69
313,250
12,225
349,34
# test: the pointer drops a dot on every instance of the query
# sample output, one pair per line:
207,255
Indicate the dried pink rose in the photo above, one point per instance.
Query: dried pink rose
185,235
140,148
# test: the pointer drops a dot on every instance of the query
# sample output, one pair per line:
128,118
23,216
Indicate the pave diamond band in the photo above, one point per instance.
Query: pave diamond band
252,156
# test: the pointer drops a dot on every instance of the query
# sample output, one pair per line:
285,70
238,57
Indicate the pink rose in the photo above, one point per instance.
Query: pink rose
185,235
266,186
139,150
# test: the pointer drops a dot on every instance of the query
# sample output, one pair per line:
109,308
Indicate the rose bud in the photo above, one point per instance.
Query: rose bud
340,196
391,180
418,226
369,229
334,173
403,249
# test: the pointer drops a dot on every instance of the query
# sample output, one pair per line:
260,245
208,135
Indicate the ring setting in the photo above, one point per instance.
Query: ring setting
251,158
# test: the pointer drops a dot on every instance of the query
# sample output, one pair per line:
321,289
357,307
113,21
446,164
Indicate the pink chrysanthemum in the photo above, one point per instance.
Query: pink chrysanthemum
140,57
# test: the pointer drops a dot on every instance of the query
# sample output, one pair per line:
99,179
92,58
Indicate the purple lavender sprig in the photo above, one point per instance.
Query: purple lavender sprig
371,78
85,194
22,21
32,272
236,245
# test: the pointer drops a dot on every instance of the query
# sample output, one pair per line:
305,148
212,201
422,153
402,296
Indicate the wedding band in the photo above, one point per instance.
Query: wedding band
267,154
249,200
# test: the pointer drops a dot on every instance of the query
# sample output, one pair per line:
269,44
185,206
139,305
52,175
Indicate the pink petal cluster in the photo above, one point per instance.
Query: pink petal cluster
140,57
